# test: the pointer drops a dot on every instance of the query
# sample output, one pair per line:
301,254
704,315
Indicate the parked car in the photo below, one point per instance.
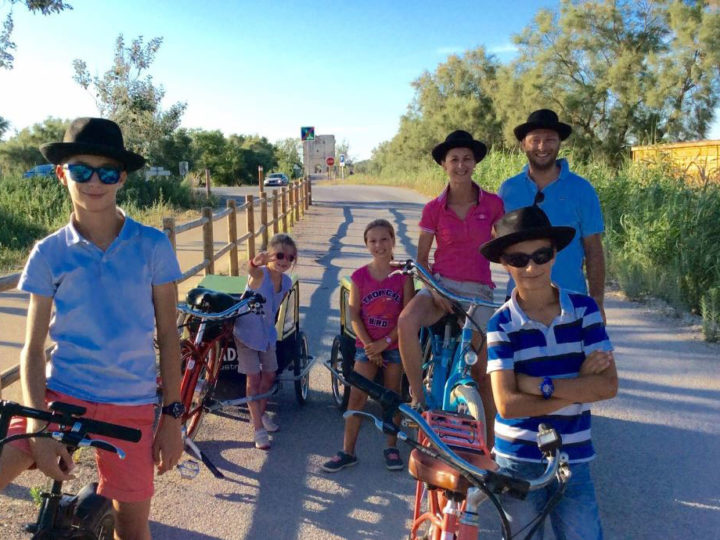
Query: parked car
40,170
276,179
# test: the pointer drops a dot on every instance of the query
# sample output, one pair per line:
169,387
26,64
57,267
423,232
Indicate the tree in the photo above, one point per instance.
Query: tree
620,71
127,95
287,155
21,152
169,151
4,126
44,7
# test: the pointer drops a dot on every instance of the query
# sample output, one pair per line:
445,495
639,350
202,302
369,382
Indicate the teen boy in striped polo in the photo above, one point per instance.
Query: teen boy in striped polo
548,358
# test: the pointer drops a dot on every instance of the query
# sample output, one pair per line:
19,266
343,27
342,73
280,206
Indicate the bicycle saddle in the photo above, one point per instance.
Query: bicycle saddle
208,300
438,475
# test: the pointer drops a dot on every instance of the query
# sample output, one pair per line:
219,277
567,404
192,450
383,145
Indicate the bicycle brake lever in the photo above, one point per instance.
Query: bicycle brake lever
71,439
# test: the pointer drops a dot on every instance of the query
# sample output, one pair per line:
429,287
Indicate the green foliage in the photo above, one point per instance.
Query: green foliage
287,155
710,305
21,152
31,208
621,72
44,7
127,95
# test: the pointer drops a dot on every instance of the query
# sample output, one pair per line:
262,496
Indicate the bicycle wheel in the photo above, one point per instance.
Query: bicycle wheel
302,385
340,391
198,384
469,396
93,515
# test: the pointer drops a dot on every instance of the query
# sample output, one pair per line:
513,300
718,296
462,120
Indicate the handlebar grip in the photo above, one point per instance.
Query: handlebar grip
111,430
388,399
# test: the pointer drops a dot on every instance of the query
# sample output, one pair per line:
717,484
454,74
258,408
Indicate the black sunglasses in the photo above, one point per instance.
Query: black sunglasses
82,173
280,256
520,260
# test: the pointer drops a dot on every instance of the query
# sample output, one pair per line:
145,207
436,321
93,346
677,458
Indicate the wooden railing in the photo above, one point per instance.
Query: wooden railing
287,205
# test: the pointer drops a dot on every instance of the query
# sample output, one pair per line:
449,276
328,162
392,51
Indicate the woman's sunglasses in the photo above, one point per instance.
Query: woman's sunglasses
280,256
82,173
520,260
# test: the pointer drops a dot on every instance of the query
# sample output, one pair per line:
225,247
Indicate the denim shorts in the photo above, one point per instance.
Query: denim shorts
576,516
390,356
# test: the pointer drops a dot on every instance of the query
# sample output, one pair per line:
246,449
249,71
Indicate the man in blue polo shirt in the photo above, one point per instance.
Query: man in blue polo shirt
549,357
566,198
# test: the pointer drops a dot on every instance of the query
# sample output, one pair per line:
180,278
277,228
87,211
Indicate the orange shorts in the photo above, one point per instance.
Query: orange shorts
124,480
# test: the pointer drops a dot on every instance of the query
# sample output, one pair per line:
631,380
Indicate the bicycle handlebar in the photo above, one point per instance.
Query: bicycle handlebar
253,303
392,401
69,416
410,267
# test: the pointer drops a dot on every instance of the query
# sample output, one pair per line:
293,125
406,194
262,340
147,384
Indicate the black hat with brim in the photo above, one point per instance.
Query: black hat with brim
529,223
543,119
459,139
93,136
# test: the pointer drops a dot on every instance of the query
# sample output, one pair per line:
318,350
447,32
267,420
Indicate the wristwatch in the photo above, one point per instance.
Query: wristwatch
388,340
175,409
547,387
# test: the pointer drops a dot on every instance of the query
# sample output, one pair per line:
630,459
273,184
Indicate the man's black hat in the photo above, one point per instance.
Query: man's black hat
529,223
459,139
543,119
94,136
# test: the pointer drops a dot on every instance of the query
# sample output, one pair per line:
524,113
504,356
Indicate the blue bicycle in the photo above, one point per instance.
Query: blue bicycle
447,351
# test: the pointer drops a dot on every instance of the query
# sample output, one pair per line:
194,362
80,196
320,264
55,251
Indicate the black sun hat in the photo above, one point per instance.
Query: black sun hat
529,223
543,119
94,136
459,139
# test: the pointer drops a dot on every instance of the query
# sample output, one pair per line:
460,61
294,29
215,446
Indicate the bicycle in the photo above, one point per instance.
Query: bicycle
447,352
85,515
459,477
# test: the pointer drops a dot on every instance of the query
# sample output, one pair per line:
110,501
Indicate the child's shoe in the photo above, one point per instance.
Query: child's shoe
268,424
392,459
262,440
340,461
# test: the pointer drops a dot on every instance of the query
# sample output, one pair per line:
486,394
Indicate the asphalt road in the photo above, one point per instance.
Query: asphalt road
658,443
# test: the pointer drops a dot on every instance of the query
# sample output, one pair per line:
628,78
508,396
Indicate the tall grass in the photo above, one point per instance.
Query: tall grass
31,208
661,234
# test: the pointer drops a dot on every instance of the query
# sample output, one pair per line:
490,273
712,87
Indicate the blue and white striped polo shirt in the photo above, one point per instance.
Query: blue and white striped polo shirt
526,346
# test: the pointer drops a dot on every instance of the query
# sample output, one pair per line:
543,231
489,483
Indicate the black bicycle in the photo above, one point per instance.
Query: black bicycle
85,515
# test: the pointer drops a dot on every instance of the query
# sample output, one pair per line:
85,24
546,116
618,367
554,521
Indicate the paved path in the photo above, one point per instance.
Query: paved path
658,440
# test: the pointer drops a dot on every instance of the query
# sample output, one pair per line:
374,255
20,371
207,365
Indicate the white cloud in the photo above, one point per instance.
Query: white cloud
506,48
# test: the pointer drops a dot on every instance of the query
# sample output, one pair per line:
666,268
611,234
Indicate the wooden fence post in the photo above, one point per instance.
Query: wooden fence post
169,229
250,227
275,224
291,205
232,236
264,220
296,187
309,190
208,244
207,183
283,207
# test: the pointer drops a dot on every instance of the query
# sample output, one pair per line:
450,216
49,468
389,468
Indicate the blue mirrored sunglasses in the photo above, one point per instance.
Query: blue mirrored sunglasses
82,173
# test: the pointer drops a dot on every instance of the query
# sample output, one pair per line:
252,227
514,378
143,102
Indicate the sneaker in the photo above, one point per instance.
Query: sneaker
262,440
268,424
392,459
339,461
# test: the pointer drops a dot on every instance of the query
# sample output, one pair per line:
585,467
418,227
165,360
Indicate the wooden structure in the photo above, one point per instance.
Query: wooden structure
696,162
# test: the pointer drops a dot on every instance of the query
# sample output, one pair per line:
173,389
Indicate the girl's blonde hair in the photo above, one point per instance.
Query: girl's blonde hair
379,223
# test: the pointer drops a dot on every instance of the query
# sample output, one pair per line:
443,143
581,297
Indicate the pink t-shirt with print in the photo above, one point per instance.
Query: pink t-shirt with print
457,254
380,303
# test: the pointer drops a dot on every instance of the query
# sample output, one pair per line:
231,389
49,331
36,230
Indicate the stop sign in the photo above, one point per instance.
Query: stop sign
330,161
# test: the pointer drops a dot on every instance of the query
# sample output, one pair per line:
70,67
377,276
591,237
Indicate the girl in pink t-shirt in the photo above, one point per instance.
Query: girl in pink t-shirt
376,300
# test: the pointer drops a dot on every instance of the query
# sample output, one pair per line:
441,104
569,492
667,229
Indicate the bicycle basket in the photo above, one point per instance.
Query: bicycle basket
458,431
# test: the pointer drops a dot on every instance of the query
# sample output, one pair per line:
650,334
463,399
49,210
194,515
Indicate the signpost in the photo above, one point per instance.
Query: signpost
260,178
307,133
342,166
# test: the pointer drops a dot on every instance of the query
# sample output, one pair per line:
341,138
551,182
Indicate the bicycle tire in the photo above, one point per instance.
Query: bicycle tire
471,397
198,384
340,391
93,515
302,385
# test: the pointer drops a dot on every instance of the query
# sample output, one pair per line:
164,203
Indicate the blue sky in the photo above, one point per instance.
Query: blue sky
260,67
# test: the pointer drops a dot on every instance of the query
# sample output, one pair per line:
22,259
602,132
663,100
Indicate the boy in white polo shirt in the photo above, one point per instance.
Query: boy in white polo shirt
100,286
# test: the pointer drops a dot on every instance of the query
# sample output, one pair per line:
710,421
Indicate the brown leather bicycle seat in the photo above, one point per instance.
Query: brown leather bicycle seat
208,300
439,475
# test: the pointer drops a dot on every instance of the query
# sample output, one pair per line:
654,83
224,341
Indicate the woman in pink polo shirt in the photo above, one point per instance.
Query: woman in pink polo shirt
460,220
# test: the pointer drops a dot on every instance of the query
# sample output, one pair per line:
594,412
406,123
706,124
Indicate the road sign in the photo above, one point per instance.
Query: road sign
307,133
184,168
330,161
342,160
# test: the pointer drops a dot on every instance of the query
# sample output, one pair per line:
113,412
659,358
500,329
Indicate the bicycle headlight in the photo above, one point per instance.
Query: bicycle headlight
471,357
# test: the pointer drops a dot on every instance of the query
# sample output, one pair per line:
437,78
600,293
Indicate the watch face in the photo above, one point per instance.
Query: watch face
175,410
